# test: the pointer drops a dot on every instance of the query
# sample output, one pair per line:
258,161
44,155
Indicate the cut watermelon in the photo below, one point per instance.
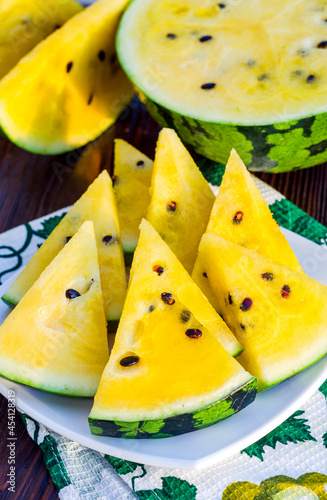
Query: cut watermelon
241,215
181,198
132,180
56,338
278,315
246,74
168,373
68,89
24,23
96,204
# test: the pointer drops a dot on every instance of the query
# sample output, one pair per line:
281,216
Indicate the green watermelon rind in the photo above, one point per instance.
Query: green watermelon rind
273,147
66,389
264,386
177,424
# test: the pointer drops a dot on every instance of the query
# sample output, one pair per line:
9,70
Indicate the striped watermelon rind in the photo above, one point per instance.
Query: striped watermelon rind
273,148
178,424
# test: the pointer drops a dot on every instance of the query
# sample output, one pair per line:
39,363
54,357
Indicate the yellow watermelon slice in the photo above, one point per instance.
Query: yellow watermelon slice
70,87
241,215
181,198
24,23
132,180
56,338
277,314
96,204
168,373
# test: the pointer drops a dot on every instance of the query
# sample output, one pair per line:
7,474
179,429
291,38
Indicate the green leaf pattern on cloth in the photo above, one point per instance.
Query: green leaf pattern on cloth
293,430
296,449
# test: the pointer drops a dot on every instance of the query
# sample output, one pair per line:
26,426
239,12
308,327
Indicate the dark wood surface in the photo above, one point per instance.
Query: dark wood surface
32,186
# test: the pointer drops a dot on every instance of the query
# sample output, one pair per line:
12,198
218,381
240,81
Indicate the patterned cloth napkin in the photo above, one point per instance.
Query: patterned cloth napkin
290,463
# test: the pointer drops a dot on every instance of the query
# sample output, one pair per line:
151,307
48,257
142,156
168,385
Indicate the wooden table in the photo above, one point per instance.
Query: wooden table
32,186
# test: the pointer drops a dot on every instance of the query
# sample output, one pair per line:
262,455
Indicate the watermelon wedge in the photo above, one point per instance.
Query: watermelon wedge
168,373
277,314
56,338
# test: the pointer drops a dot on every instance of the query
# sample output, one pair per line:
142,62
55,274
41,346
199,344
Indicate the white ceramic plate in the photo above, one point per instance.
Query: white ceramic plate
201,448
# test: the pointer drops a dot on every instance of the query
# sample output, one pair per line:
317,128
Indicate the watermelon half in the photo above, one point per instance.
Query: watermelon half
247,74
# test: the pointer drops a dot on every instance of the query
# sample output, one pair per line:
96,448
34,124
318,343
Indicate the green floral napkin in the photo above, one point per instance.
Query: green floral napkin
290,463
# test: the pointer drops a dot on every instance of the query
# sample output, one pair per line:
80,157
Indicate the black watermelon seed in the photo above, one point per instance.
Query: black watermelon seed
109,239
167,298
171,207
246,304
263,77
90,100
129,361
267,276
322,45
238,217
208,86
310,79
205,38
193,333
185,316
69,66
222,5
285,291
230,299
158,269
151,308
72,294
242,326
140,163
102,55
67,239
205,275
57,27
114,180
172,36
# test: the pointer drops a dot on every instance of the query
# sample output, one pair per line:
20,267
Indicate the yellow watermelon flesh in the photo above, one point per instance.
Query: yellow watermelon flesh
154,263
24,23
241,215
181,199
277,314
55,343
70,88
96,204
132,180
165,361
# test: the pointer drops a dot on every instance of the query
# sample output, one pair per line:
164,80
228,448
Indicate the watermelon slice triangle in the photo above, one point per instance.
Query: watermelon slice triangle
56,337
168,373
181,198
241,215
96,204
277,314
132,180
